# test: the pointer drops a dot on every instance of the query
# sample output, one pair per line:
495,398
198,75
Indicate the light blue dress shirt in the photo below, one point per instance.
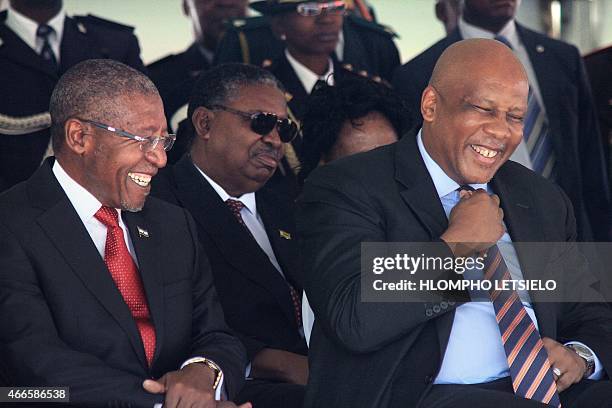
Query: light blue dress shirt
475,353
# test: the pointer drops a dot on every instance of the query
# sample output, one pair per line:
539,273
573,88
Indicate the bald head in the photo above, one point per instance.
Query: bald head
470,60
473,109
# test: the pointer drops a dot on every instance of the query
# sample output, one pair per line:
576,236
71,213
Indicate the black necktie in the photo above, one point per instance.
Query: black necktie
43,32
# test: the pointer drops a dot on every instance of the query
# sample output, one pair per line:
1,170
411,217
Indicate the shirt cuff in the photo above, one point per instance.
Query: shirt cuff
598,371
220,393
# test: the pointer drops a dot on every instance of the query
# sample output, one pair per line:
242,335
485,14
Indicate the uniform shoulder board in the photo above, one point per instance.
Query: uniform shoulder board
249,23
371,25
93,20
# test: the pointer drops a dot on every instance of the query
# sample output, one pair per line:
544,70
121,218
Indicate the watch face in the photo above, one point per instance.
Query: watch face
582,351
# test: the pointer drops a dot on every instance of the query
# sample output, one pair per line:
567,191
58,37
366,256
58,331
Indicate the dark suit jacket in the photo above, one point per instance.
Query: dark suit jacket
599,66
571,114
388,354
26,82
254,296
64,323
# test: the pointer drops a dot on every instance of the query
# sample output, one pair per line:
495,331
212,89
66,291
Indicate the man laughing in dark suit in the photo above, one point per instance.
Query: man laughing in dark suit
450,183
101,289
239,116
561,136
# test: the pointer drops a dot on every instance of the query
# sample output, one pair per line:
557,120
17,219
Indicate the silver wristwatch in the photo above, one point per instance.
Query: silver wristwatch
587,355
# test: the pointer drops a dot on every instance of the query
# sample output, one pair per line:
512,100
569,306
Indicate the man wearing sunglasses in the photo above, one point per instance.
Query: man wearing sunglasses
239,116
103,290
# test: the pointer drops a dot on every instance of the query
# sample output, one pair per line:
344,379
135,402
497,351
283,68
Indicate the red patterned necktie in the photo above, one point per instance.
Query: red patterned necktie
235,207
126,277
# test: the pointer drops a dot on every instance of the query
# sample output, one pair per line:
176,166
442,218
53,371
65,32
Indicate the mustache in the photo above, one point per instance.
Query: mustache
268,150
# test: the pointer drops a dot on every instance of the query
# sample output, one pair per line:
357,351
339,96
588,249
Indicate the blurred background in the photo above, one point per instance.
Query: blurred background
162,28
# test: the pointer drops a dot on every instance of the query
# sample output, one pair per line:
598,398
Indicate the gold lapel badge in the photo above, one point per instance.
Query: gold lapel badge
284,234
142,233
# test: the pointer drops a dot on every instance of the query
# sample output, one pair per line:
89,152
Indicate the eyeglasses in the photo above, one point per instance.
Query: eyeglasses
314,8
146,143
263,123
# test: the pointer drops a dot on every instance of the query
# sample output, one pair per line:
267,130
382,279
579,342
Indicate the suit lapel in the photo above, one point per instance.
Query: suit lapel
237,246
148,244
79,251
13,48
418,190
280,230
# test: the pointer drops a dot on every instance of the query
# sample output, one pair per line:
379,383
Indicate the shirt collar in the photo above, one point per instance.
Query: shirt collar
247,199
468,31
85,204
444,184
306,76
26,28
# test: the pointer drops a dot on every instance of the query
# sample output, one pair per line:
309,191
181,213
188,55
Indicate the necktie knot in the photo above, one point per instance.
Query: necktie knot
235,206
108,216
44,31
465,187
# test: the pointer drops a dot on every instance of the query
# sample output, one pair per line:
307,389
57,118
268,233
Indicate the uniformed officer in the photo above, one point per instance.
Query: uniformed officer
366,45
38,43
175,75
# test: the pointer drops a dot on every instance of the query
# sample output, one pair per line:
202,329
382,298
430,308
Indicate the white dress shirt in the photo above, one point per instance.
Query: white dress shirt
25,28
306,76
521,154
86,206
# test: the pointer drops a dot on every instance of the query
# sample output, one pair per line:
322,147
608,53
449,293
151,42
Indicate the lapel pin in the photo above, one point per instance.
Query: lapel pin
142,233
284,234
82,28
540,48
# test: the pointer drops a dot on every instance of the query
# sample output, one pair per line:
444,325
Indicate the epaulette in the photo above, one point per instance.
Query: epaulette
364,74
249,23
89,19
371,25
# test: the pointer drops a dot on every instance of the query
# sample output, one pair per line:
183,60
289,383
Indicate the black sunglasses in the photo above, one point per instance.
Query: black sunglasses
263,123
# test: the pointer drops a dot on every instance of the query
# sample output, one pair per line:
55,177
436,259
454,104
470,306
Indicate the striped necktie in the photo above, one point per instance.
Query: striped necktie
536,132
530,370
531,373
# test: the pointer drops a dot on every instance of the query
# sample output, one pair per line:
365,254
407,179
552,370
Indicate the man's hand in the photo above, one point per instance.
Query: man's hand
571,365
189,387
474,224
280,365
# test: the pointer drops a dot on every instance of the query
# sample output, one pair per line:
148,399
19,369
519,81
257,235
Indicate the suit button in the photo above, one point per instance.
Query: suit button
429,313
444,304
429,379
436,309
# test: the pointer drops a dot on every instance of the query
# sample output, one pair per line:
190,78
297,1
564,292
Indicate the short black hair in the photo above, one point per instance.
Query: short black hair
91,90
351,98
221,84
